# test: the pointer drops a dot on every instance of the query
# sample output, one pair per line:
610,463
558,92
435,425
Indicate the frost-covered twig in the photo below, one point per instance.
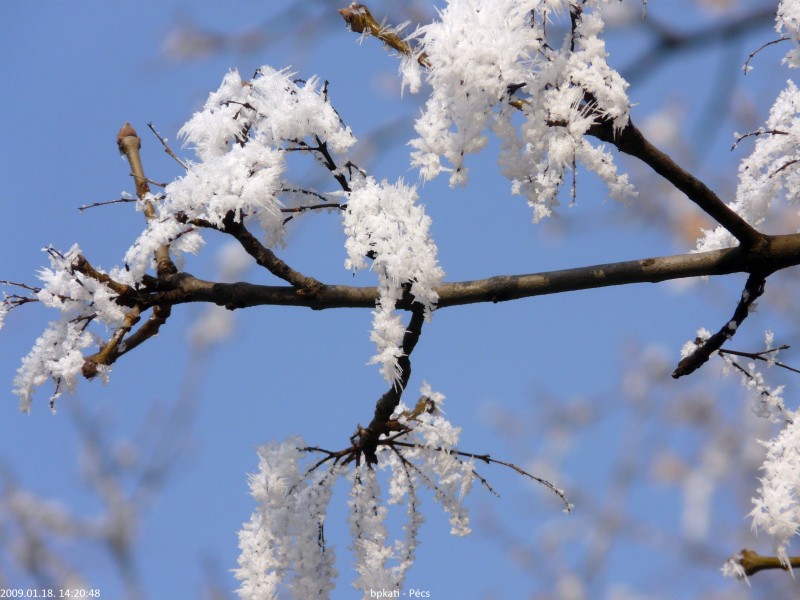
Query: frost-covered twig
705,348
129,144
762,356
367,438
489,460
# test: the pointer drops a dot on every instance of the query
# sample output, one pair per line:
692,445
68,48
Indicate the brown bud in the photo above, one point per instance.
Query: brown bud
126,131
357,16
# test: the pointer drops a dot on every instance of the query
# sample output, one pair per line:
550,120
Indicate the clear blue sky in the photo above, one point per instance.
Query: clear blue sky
75,72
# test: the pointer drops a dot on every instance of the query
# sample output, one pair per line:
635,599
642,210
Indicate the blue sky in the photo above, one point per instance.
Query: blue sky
76,72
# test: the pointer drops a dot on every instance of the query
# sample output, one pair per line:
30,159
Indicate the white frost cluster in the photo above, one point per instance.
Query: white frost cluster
733,568
239,138
282,550
281,546
777,507
769,173
449,477
481,49
384,222
57,354
787,23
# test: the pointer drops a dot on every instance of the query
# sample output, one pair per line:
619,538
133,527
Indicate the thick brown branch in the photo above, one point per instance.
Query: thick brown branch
782,252
119,344
81,265
631,141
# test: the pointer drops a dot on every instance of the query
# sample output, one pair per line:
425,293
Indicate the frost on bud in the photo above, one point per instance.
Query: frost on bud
733,568
357,17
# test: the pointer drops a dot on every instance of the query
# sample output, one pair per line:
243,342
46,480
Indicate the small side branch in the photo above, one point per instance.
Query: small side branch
119,345
762,356
568,507
129,144
752,562
368,437
752,290
360,20
307,286
631,141
167,149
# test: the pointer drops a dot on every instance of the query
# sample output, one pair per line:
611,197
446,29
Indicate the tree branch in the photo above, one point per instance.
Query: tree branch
705,348
368,437
628,140
752,562
129,144
782,251
631,141
263,255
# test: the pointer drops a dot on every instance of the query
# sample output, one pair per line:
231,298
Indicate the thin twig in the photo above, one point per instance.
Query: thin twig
760,356
24,286
756,133
489,460
746,66
167,149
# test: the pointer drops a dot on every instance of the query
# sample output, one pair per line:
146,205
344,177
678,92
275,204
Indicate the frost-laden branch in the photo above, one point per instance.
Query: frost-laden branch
129,144
783,252
621,133
705,348
284,541
367,438
179,288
